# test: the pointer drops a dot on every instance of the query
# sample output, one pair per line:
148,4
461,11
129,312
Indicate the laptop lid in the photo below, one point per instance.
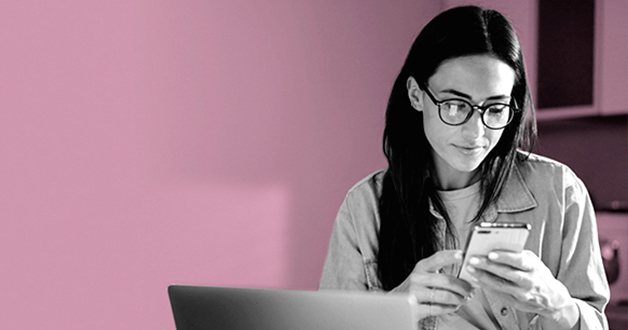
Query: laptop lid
222,308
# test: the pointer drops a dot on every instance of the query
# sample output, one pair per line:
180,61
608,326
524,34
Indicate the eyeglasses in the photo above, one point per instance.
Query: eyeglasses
456,112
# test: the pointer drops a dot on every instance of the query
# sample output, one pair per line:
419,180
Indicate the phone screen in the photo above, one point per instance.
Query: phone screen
487,237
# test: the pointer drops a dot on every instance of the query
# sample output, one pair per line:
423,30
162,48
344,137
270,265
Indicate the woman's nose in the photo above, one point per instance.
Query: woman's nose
474,127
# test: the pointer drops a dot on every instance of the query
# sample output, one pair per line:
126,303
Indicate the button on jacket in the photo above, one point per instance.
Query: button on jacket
538,191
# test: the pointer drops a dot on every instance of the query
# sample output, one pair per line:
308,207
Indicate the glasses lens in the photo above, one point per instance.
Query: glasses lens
454,112
497,116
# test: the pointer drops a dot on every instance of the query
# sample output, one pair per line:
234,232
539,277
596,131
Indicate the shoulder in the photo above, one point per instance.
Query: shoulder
361,204
543,173
531,164
371,184
538,162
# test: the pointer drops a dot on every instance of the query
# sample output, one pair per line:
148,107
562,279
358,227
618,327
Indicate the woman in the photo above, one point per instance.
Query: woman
454,126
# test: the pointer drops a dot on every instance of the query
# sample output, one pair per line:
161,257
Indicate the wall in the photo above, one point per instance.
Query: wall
144,143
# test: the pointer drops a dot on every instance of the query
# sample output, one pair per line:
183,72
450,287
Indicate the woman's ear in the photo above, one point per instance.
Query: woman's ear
414,94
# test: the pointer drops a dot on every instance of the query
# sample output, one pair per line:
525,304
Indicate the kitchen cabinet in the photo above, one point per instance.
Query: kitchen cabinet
609,85
566,48
612,54
607,89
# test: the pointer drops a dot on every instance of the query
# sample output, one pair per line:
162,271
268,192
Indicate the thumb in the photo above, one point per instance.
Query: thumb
438,260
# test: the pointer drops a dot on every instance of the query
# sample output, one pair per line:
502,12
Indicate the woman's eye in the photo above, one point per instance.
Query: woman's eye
456,106
497,109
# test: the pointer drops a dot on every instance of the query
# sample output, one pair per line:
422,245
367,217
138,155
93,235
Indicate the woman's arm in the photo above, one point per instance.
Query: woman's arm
344,266
575,293
581,269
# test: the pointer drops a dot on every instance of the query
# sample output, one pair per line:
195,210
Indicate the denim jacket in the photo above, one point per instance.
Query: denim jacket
538,191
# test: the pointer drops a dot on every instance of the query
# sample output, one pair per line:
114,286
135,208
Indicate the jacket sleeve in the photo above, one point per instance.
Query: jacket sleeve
344,265
581,268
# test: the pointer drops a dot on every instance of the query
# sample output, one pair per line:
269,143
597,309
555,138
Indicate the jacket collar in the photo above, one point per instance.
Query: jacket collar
515,197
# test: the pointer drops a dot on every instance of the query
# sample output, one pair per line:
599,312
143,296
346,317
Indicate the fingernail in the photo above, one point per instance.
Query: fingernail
492,255
458,255
471,269
474,261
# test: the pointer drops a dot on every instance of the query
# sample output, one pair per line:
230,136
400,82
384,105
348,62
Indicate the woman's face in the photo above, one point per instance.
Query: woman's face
458,151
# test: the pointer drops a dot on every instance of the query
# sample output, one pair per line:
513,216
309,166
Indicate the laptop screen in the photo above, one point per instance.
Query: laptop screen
222,308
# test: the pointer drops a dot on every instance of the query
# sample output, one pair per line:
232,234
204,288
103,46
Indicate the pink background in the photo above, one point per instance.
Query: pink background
144,143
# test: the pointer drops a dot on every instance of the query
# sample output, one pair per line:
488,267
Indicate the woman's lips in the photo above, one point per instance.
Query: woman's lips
470,150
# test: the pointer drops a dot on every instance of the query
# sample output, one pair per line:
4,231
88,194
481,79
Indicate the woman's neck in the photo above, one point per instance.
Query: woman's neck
456,181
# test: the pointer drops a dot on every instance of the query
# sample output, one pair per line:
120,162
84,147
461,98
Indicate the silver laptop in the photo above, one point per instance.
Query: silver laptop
224,308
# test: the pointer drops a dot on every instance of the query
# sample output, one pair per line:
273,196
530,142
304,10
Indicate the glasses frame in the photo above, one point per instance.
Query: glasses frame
480,108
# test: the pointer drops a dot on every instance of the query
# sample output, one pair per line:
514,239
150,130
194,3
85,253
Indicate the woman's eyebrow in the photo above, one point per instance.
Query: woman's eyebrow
466,96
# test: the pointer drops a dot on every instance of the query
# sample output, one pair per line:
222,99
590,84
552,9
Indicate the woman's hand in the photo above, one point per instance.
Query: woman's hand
524,282
436,293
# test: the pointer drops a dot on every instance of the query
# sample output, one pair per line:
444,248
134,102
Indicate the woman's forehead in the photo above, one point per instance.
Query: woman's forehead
477,75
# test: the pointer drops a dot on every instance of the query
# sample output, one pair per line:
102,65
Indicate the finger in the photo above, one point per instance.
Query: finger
519,293
441,282
522,261
499,273
489,280
504,284
425,310
497,269
438,260
446,297
427,295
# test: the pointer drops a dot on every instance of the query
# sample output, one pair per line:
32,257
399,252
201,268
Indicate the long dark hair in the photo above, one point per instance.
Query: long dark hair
408,231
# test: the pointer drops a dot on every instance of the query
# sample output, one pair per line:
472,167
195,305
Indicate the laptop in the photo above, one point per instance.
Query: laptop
222,308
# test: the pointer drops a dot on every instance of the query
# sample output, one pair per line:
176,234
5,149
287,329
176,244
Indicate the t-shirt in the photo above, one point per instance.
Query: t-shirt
462,205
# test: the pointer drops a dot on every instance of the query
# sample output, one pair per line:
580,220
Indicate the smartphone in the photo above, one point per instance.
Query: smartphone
489,236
